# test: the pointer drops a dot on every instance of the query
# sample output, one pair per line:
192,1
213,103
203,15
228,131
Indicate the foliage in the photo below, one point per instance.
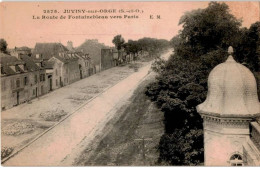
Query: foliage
177,91
6,151
3,46
179,149
182,81
206,30
248,47
54,115
18,128
153,45
118,41
158,65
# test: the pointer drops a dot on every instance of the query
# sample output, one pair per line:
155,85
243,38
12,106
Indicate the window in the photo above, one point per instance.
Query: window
12,84
56,71
42,77
25,81
3,85
236,160
56,82
33,91
42,90
35,78
17,82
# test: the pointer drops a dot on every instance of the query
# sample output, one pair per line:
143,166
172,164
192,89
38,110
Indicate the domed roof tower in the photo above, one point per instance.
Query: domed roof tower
232,91
231,104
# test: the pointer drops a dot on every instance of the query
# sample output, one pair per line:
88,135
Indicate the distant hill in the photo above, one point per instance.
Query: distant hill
93,48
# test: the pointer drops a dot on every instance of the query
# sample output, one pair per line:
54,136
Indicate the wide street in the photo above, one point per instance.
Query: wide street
83,125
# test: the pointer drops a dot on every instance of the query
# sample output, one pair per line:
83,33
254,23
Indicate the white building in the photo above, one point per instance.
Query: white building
230,114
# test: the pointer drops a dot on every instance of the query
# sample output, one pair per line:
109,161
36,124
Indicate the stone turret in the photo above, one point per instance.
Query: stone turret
231,104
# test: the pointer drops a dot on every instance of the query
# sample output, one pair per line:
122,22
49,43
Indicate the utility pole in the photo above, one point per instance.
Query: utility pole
143,147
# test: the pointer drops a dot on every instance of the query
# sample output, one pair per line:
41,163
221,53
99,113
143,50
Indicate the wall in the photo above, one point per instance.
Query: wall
107,60
26,91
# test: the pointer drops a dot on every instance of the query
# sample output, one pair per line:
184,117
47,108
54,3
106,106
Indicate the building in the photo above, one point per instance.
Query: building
61,64
93,48
86,66
21,80
108,58
62,69
45,51
231,115
18,51
70,46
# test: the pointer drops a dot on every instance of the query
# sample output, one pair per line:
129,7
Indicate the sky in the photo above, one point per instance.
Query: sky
18,27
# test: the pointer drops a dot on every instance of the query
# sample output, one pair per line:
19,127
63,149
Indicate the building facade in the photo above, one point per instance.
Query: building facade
21,80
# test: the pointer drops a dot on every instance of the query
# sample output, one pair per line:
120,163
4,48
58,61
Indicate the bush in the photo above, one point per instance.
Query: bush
53,115
6,151
182,147
18,128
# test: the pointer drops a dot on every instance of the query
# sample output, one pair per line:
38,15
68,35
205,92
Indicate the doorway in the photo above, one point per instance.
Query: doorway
17,97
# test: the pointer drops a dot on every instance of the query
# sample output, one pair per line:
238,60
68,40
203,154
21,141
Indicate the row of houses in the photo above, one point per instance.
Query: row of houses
26,75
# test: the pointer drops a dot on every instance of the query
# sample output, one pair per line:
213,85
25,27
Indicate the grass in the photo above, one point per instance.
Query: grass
117,145
54,115
18,128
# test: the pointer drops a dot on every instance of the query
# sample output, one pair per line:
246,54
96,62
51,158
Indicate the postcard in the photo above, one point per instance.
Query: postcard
130,83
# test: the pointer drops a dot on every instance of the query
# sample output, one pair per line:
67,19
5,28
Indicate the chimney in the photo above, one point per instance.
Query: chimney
70,45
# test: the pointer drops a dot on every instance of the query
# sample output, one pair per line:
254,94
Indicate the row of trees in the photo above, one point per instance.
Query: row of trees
182,81
151,45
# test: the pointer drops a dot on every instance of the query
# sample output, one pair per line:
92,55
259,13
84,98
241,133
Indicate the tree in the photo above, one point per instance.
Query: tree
3,46
118,41
206,30
182,81
132,47
248,47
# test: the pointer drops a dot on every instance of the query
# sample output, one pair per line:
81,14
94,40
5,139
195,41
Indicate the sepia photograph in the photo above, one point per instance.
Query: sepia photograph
130,83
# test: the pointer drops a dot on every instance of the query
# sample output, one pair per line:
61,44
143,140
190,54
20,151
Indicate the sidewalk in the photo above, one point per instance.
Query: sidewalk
55,145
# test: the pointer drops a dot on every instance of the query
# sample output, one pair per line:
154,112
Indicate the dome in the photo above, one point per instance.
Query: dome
232,91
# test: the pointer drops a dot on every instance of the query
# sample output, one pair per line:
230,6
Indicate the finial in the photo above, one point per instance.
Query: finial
230,50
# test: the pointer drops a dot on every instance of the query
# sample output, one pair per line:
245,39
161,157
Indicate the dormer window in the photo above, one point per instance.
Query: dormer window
22,67
13,68
236,160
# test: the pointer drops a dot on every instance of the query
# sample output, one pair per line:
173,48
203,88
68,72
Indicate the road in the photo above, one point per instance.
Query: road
58,143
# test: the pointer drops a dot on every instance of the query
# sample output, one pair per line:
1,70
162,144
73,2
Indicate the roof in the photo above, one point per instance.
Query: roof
6,59
29,63
93,48
48,50
10,65
24,48
6,70
232,91
67,57
48,64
